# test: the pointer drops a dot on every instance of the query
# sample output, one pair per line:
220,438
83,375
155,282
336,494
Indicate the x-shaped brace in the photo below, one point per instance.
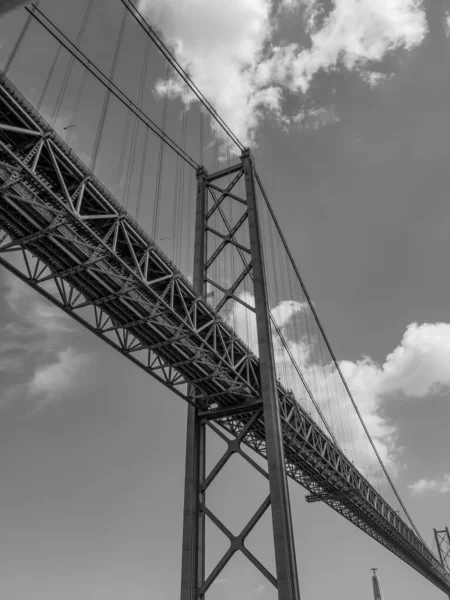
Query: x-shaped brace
237,543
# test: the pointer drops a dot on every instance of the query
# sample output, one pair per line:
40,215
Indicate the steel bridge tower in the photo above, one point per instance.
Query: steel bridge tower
194,583
443,545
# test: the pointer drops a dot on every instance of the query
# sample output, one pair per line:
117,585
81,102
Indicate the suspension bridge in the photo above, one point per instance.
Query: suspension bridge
109,153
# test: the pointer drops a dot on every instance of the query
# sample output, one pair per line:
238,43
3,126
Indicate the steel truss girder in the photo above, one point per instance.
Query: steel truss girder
135,297
131,278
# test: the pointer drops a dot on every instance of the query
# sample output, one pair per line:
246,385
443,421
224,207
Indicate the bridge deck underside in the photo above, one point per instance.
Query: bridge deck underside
63,233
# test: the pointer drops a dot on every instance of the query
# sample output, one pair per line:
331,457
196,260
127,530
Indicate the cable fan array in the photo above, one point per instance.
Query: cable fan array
105,81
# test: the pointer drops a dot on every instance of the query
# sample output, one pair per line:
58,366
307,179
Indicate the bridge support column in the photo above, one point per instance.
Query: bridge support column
193,552
195,581
443,545
285,560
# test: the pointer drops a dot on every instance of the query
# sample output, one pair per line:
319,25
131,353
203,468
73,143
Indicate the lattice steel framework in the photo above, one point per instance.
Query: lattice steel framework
443,545
194,581
65,235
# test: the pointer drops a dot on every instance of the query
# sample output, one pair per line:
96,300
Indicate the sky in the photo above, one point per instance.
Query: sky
345,105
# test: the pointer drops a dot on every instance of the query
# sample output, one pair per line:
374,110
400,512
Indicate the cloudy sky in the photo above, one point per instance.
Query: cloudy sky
346,105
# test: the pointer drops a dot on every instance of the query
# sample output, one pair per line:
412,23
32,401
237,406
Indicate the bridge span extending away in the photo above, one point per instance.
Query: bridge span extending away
64,234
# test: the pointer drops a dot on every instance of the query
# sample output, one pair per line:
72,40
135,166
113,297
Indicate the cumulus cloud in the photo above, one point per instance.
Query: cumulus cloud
35,311
220,43
323,381
315,117
51,382
447,23
36,348
417,368
440,486
288,6
232,52
373,78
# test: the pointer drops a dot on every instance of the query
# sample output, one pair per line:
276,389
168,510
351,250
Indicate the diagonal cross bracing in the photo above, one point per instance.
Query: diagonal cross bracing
442,539
101,268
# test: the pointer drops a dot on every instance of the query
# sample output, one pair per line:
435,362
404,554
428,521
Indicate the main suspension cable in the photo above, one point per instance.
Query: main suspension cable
55,32
204,102
319,324
180,70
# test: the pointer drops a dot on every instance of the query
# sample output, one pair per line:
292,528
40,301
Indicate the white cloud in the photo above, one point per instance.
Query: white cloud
38,313
259,589
315,117
48,383
51,382
417,368
329,393
220,43
289,6
231,52
447,23
441,486
419,365
324,382
373,78
36,335
359,31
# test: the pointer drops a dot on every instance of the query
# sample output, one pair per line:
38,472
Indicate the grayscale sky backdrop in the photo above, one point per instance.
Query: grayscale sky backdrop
352,140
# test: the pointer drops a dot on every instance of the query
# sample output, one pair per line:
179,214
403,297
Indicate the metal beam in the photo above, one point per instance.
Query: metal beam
224,172
443,545
230,411
193,553
283,535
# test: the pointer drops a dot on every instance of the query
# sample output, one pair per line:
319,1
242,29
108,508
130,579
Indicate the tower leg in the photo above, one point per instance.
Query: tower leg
194,586
193,550
285,560
443,545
